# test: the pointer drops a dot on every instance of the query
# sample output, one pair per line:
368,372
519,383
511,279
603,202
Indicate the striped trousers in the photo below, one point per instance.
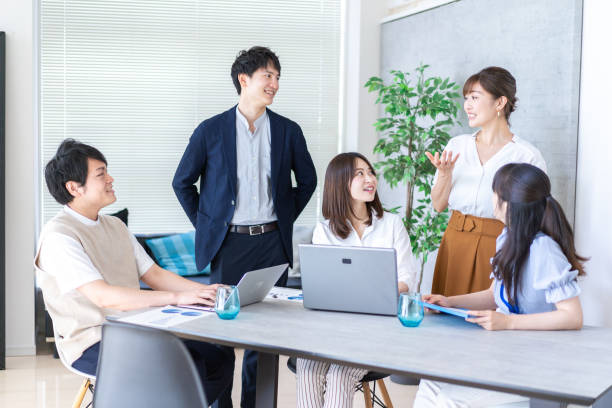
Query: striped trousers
325,385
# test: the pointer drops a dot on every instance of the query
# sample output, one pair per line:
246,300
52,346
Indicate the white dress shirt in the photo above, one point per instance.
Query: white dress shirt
254,197
385,232
64,257
471,190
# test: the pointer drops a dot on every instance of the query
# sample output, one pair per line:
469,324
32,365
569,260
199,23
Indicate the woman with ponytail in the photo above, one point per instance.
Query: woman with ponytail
535,272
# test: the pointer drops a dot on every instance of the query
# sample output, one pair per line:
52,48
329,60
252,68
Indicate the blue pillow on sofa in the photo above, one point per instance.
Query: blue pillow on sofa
176,253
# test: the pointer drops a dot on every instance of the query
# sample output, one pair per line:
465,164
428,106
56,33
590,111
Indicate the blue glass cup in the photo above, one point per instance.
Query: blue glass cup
227,303
410,309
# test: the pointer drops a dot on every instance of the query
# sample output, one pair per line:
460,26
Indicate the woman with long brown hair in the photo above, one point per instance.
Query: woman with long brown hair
353,217
463,178
535,272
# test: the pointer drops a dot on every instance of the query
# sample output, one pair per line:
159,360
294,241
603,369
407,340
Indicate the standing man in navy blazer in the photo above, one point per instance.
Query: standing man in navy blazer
246,205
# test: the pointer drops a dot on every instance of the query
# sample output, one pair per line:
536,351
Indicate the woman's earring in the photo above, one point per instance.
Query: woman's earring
498,113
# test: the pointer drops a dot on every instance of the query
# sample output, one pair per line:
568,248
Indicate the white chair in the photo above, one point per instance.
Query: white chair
88,382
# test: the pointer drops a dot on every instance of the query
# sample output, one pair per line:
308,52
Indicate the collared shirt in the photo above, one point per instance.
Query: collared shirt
471,191
64,258
385,232
254,197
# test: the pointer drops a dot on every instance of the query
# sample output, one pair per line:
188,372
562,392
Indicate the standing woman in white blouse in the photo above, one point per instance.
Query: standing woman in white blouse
354,217
465,171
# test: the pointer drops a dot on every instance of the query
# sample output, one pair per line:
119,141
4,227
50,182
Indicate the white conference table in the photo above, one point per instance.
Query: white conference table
551,368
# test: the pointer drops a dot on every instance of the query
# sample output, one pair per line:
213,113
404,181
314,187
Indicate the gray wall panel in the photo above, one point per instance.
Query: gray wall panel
538,41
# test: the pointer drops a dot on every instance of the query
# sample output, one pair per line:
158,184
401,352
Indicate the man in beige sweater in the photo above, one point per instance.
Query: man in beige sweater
89,265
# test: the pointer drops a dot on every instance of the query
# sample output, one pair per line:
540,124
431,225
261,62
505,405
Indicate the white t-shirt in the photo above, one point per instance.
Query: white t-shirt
385,232
63,257
471,190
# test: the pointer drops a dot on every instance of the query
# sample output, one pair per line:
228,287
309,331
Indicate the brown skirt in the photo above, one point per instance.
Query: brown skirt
463,264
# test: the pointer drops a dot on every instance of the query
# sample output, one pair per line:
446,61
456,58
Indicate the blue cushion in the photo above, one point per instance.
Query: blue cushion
176,253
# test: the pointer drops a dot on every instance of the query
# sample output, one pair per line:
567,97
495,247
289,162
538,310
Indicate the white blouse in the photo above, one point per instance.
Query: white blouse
385,232
471,191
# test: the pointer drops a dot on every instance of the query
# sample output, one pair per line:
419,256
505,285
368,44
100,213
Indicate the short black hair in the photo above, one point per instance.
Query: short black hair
249,61
69,164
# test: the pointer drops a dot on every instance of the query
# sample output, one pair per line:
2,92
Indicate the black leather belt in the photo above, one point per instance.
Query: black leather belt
254,229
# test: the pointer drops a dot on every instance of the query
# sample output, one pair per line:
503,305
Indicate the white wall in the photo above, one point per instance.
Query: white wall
361,61
16,19
593,222
401,8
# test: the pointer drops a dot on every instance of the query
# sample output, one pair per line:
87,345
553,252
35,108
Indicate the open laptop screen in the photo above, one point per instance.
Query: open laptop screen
349,279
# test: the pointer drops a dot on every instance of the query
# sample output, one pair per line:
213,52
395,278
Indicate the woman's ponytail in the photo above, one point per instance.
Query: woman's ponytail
530,208
556,226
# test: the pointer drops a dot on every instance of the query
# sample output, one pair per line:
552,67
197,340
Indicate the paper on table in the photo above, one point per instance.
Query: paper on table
450,310
294,295
163,316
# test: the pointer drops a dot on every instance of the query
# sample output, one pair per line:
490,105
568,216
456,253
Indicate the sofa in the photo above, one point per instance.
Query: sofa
301,235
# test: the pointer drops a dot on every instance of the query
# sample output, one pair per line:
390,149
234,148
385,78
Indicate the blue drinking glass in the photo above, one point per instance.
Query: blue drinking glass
227,303
410,309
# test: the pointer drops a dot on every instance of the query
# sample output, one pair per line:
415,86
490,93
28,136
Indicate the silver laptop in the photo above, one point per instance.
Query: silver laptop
255,285
349,279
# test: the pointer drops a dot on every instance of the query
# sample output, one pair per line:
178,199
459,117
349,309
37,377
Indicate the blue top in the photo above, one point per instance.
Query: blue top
547,278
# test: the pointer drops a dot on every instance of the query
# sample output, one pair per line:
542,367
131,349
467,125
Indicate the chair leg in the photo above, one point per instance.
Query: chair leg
366,394
81,394
385,393
91,389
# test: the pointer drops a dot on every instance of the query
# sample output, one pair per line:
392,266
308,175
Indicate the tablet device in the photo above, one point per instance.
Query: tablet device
450,310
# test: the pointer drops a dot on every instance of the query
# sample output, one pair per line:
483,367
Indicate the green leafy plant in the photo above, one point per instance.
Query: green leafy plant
419,114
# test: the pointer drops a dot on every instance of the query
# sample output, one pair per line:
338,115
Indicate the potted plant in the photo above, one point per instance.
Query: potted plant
419,114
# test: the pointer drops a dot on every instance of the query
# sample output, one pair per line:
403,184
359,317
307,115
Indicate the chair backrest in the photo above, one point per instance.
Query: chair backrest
143,367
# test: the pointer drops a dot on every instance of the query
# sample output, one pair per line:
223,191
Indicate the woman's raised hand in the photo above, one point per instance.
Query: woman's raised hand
444,162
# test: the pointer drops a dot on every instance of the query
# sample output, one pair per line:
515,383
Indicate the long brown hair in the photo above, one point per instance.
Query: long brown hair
498,82
337,197
530,209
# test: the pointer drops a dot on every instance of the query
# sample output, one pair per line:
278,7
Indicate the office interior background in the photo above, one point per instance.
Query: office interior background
328,49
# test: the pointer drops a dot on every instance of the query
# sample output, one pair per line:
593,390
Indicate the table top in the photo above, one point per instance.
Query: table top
570,366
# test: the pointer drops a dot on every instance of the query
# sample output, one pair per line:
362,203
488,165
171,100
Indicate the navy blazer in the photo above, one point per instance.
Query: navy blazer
211,157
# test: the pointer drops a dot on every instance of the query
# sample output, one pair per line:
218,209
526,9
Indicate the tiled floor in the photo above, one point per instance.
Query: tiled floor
43,382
